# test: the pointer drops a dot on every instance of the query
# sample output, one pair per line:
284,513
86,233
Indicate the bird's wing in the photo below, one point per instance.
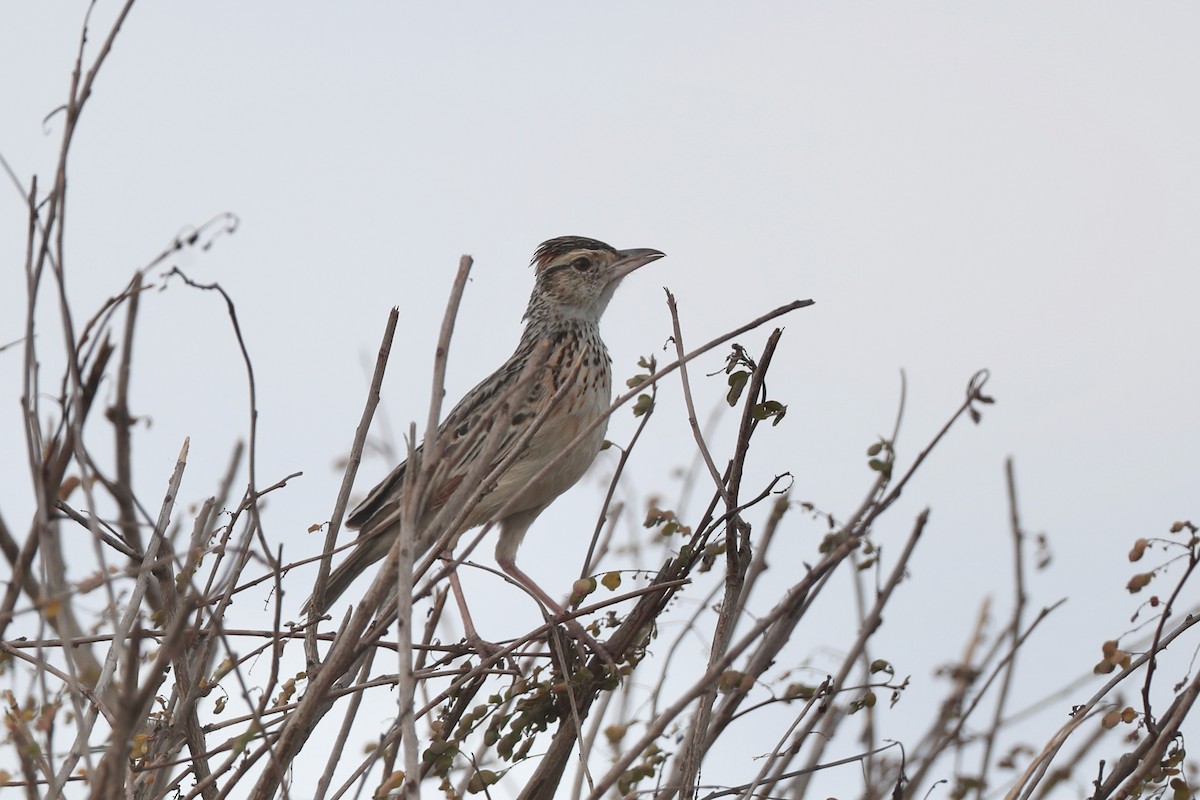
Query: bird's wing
382,500
462,435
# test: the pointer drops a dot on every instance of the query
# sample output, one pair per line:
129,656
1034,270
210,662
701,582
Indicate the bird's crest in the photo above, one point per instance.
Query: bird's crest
553,248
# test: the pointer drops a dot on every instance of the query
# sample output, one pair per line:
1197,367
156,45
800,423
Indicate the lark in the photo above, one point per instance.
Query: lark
568,389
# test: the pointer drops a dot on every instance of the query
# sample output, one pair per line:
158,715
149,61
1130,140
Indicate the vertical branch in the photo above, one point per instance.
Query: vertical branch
656,727
345,652
1014,629
596,548
352,464
122,422
79,662
417,483
737,554
870,625
125,624
35,448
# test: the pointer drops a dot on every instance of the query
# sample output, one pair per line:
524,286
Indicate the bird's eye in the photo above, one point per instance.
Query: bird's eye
582,264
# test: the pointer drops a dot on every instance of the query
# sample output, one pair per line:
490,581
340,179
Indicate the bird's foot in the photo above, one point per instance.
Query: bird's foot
582,637
490,651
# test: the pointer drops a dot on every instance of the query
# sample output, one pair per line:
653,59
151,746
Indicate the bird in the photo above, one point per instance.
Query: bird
564,373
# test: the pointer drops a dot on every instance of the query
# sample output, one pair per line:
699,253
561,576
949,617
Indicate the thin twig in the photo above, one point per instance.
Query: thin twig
701,445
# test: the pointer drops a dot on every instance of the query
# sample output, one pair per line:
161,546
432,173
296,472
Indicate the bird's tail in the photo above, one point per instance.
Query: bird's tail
340,579
369,550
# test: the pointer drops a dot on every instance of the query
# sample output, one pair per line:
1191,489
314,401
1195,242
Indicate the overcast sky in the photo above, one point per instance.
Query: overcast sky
957,186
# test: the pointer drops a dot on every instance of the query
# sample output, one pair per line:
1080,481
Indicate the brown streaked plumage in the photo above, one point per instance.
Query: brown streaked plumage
574,281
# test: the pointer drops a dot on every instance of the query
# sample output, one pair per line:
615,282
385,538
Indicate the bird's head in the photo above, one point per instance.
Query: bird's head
576,277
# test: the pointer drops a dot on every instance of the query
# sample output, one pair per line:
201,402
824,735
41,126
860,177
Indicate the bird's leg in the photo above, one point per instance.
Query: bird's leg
485,648
560,613
512,531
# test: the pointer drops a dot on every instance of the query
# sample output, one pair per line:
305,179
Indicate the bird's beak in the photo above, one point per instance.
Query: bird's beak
630,260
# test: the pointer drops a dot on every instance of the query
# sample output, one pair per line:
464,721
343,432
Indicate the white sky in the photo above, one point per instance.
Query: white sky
1010,186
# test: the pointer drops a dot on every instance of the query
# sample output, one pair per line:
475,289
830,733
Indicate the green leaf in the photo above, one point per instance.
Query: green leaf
799,691
581,589
737,383
1139,582
481,780
866,701
770,408
644,405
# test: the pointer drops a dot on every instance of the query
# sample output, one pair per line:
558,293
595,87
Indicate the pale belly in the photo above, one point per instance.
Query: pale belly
550,445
